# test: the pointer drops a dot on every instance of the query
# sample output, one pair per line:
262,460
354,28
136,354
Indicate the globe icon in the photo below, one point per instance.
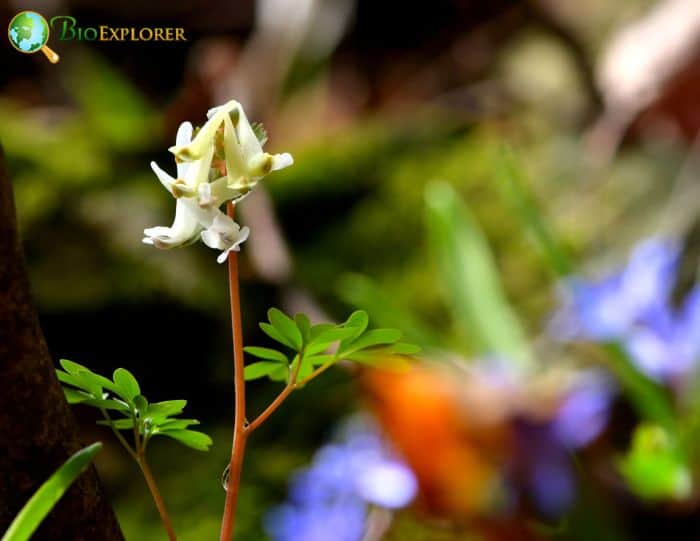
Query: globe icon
28,32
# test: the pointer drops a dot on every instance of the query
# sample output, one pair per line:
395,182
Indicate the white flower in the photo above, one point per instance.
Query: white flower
189,174
185,227
201,185
189,217
224,234
246,162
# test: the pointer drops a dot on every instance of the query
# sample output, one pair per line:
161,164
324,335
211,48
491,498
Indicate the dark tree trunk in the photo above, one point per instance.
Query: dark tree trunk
37,429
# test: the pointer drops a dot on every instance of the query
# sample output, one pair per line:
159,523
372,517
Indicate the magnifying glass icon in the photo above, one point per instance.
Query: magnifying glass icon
29,32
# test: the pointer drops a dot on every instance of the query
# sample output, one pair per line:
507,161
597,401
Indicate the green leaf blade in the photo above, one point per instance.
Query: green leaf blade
473,285
73,396
285,326
273,333
119,424
326,338
191,438
260,370
304,325
166,408
126,383
107,404
372,338
44,499
267,354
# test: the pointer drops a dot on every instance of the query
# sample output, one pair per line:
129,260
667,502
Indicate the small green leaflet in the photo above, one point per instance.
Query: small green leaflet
122,398
321,345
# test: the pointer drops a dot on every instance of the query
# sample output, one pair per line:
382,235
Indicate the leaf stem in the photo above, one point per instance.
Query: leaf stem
277,402
139,456
320,370
157,498
118,435
239,424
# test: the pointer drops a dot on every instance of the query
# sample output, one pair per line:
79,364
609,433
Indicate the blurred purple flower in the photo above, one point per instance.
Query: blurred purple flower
583,414
552,484
544,469
329,499
667,344
342,520
606,309
633,306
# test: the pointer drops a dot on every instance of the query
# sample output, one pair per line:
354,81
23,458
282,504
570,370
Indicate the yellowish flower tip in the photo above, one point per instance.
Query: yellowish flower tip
261,165
184,154
241,183
181,189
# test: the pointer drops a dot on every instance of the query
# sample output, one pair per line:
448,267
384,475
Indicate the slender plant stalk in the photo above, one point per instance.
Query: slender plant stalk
241,427
277,402
157,498
139,455
118,435
239,424
320,370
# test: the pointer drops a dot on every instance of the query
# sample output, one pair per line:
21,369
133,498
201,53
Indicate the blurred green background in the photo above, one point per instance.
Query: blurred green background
375,101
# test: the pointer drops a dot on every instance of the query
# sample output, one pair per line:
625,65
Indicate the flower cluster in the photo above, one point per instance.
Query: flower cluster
548,416
330,499
219,162
544,446
634,307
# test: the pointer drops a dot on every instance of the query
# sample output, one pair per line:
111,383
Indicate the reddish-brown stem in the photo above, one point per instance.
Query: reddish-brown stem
269,410
239,428
157,498
277,402
320,370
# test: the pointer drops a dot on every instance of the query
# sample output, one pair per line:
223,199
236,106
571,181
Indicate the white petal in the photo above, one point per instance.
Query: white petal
224,224
198,171
223,256
184,134
242,237
228,107
212,239
205,136
165,179
249,141
224,234
184,229
236,165
156,231
183,137
201,142
280,161
205,199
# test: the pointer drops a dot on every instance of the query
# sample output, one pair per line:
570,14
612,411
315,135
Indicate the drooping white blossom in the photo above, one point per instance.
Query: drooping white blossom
222,161
224,234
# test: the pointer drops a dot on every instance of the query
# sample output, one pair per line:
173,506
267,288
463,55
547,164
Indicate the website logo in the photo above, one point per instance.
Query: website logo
29,33
68,29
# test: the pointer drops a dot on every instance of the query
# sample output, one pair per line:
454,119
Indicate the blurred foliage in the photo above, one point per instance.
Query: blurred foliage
353,209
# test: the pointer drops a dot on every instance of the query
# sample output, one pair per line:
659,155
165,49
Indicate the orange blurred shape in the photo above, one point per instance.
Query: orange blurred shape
456,456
